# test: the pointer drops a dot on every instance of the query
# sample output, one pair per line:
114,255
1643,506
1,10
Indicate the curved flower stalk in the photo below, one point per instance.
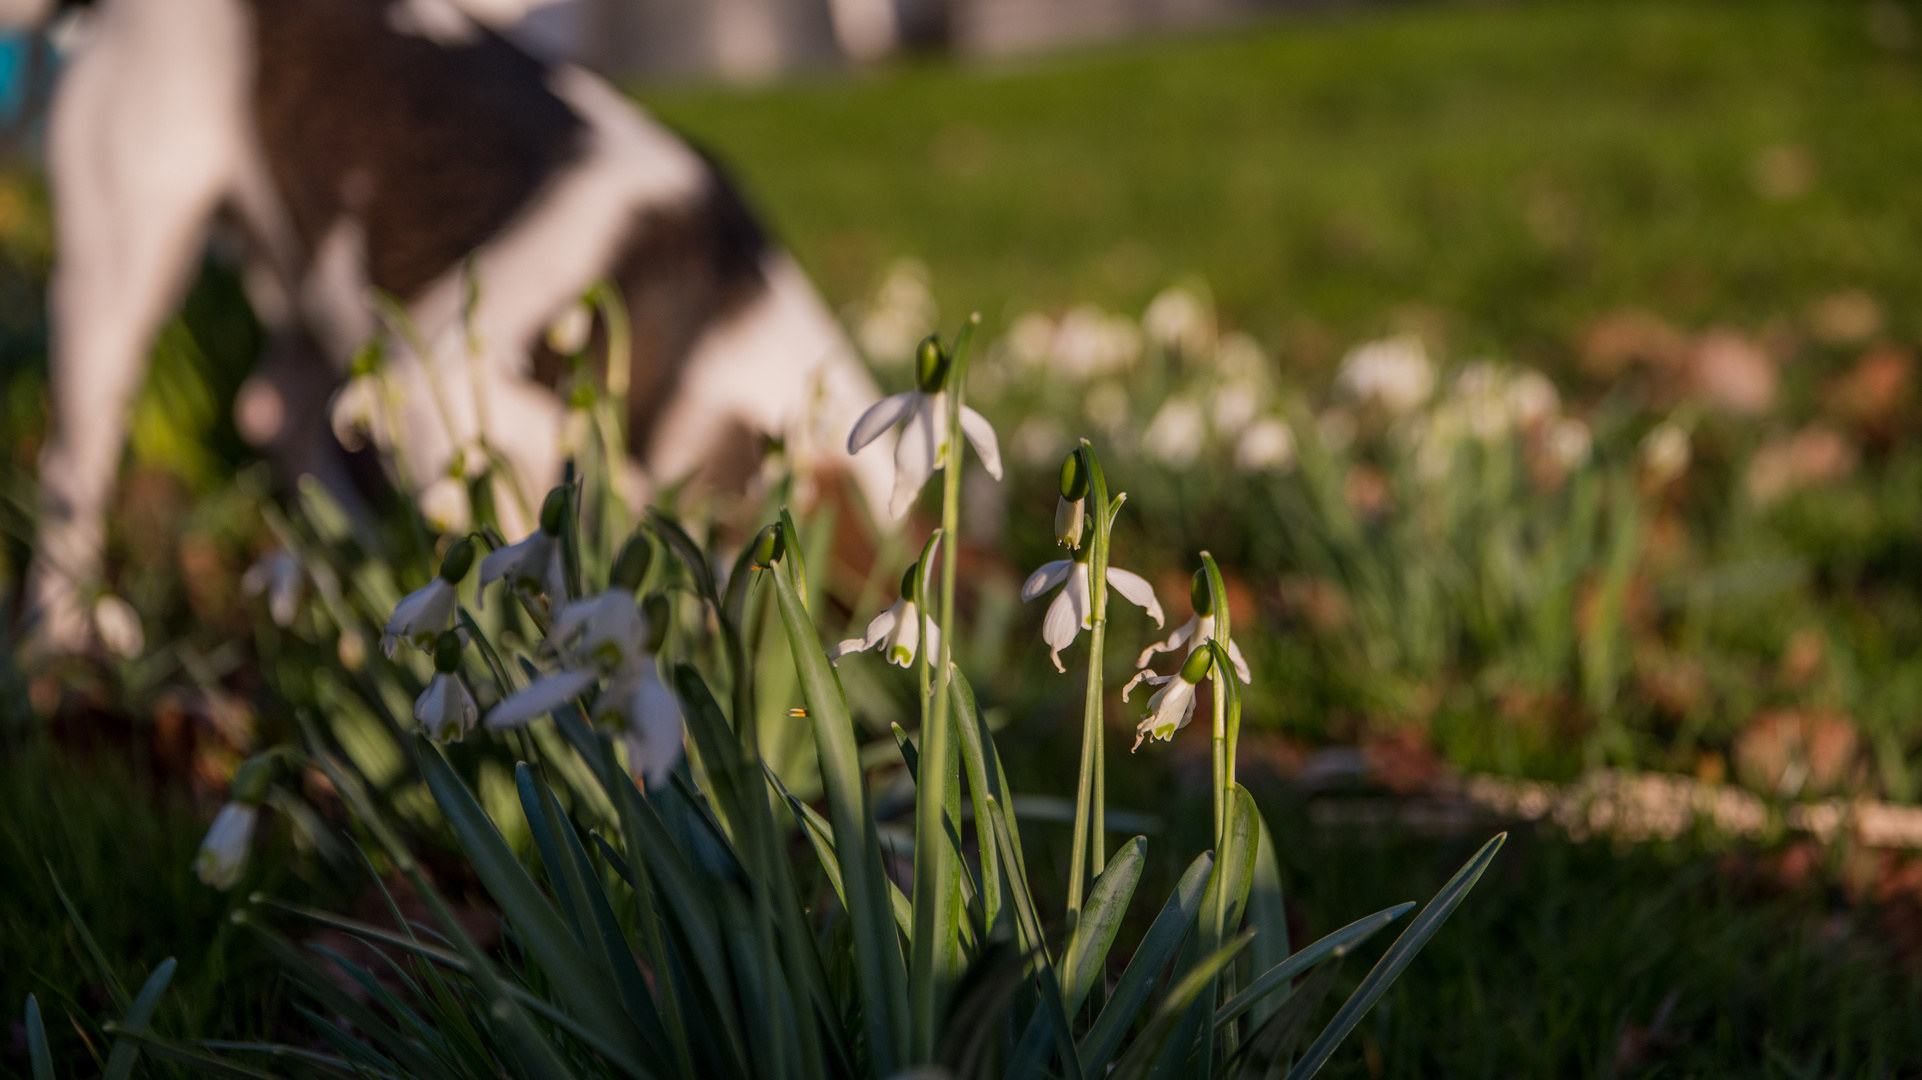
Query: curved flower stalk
1172,706
422,614
445,711
606,638
1073,609
897,631
923,446
1195,633
533,565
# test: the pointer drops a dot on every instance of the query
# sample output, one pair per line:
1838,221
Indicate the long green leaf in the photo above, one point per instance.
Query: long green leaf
1138,979
1174,1008
201,1063
1397,958
820,837
1269,916
880,972
1030,923
125,1050
407,1052
37,1054
586,991
676,537
1265,1055
1343,941
1101,919
967,722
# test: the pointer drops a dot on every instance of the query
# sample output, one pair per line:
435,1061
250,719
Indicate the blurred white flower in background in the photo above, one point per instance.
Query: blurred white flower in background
902,314
1395,372
1233,406
444,504
1180,321
1665,452
1732,373
1268,445
569,332
1175,434
1091,342
1031,339
223,852
1532,399
118,625
1039,441
1481,394
276,574
1569,444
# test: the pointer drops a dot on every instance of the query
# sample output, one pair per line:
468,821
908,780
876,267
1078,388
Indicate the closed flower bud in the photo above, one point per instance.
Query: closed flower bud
1074,477
769,546
630,566
1200,595
447,652
253,778
554,511
1197,666
931,363
459,559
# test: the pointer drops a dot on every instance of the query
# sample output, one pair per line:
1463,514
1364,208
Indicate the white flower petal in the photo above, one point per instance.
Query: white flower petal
539,698
1047,577
1080,595
906,637
914,456
1060,626
1241,666
981,434
1168,711
880,416
1175,641
223,854
654,739
1138,591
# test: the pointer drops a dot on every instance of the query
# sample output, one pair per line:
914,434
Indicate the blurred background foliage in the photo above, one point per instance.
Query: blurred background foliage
1230,258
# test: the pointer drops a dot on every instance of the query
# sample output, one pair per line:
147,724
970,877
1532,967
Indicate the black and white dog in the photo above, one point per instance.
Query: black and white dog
399,146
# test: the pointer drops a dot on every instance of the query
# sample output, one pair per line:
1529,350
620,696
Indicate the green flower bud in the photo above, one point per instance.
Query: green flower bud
1068,516
554,511
907,582
630,566
447,652
931,363
769,546
367,358
1199,663
659,614
252,779
1074,476
458,560
1200,595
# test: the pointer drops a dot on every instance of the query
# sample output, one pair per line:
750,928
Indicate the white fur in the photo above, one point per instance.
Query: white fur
151,131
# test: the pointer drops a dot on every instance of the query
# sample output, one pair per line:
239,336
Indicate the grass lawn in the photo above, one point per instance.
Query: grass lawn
1514,169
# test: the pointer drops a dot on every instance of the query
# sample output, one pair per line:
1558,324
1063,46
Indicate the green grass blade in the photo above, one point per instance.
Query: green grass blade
37,1055
820,837
409,1054
202,1063
1030,923
880,971
561,877
116,990
967,722
1268,915
1174,1008
1398,957
1265,1054
676,537
126,1050
1144,969
1341,942
590,995
1108,899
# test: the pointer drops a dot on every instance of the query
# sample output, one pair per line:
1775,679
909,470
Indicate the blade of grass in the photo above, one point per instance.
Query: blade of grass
1341,942
1030,923
38,1057
1157,948
1180,1001
126,1050
1393,962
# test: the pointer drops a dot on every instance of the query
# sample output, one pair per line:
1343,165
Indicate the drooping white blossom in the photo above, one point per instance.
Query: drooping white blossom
1073,608
223,853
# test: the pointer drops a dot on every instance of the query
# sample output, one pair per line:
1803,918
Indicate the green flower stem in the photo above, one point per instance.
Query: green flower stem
937,879
1090,804
1227,728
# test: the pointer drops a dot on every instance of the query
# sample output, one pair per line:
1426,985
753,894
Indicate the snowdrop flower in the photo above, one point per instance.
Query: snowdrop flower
118,625
1178,319
570,331
1395,372
641,710
1267,445
422,614
1174,435
1569,444
223,854
1172,706
533,564
1073,610
446,711
445,506
1532,399
1665,451
897,631
1195,633
277,574
923,445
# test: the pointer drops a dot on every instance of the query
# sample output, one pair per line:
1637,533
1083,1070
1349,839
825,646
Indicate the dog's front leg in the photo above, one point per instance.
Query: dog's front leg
143,141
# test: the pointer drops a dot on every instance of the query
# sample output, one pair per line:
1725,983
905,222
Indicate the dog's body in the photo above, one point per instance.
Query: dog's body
394,145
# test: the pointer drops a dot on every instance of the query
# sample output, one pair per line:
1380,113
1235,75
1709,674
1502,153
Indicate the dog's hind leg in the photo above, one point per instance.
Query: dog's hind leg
142,146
